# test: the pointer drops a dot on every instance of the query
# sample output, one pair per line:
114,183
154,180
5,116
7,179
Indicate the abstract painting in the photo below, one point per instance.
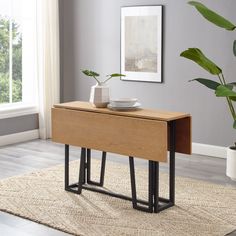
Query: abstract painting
141,43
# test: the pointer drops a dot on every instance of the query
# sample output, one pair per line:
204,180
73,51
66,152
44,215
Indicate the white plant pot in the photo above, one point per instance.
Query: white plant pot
100,95
231,163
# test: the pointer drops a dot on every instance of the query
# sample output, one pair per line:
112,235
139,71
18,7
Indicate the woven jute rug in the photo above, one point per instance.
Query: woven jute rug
201,208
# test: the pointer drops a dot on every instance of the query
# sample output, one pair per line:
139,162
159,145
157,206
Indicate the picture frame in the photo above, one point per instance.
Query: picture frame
141,43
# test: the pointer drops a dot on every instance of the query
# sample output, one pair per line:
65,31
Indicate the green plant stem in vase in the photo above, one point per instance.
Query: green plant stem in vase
94,75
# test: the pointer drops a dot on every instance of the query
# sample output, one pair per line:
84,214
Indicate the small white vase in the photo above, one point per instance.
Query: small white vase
231,163
100,95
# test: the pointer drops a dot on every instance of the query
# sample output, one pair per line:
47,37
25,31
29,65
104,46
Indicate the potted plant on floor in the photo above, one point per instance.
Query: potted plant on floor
221,87
100,95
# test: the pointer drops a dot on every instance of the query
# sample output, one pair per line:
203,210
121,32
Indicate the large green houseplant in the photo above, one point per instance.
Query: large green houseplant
221,87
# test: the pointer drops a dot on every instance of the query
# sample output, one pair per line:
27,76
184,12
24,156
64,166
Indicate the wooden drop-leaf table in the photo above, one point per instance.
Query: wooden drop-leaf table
143,133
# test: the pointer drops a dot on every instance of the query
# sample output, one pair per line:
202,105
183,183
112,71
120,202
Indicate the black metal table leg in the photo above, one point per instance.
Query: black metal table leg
152,203
103,165
102,172
156,186
155,203
88,164
66,166
132,180
82,170
172,163
150,186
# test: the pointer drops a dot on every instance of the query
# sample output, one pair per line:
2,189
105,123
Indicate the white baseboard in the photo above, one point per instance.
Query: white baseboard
209,150
19,137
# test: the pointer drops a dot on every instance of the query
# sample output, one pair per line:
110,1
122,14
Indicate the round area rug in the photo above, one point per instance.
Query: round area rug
201,208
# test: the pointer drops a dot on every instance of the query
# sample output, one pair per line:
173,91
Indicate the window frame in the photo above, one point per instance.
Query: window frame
29,103
17,109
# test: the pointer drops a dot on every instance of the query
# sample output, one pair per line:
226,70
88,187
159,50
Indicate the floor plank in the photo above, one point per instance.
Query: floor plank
30,156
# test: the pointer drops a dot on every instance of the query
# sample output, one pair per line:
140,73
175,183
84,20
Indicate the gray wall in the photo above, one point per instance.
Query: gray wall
90,38
18,124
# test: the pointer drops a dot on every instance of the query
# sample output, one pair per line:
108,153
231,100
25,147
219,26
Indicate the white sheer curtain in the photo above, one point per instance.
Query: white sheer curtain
48,62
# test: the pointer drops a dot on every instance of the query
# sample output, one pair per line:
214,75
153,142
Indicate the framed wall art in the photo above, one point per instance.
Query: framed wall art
141,43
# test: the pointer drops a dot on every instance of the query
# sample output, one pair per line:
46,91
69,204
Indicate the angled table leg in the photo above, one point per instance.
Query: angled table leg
82,170
102,172
172,162
152,187
154,204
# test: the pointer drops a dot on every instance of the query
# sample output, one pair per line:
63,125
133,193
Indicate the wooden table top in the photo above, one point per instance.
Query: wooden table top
139,113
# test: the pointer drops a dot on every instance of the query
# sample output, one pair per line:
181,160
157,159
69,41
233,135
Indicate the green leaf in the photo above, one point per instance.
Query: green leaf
212,16
207,82
90,73
116,75
234,124
234,48
197,56
224,91
233,84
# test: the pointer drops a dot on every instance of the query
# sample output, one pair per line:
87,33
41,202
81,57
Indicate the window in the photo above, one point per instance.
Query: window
18,82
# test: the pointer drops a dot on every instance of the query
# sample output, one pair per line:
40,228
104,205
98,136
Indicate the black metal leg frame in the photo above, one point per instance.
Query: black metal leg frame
153,204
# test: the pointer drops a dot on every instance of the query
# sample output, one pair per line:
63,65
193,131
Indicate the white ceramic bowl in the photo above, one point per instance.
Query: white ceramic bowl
123,102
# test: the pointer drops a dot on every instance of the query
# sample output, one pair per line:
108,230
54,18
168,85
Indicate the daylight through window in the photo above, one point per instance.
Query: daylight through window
17,51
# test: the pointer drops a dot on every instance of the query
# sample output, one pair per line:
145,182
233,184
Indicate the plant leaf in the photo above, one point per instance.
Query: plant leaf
212,16
207,82
116,75
90,73
234,48
233,84
234,125
225,91
197,56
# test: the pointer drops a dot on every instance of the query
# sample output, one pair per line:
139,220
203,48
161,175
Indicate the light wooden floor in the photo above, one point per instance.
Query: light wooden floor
38,154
